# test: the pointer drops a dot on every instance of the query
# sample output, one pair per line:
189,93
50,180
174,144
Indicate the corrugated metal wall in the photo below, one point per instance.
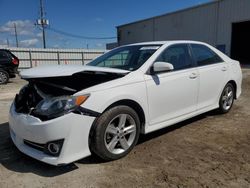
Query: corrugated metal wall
37,57
211,23
231,11
192,24
137,32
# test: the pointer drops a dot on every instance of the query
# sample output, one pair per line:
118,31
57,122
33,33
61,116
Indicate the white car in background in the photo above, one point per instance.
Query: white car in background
65,113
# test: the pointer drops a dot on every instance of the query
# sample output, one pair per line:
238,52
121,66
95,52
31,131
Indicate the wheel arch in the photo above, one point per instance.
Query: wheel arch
235,87
127,102
7,75
135,106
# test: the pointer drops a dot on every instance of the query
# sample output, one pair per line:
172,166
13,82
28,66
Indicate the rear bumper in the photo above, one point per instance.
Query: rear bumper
72,128
13,71
12,75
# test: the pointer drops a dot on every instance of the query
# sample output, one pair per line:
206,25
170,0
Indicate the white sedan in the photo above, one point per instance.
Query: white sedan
65,113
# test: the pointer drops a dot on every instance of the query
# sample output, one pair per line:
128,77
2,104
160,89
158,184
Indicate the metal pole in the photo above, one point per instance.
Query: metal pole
58,58
16,35
44,43
42,22
30,59
8,43
82,58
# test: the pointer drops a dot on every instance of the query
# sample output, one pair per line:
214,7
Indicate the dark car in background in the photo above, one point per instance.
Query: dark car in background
8,65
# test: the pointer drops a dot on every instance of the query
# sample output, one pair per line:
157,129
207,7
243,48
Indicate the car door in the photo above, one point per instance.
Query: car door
212,75
172,94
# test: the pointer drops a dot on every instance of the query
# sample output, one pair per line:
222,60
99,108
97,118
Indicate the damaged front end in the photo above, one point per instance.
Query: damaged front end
50,97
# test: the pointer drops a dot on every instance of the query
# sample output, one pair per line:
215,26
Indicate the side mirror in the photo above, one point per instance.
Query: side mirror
159,67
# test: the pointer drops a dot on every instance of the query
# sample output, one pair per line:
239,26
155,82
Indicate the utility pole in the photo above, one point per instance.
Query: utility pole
16,35
42,22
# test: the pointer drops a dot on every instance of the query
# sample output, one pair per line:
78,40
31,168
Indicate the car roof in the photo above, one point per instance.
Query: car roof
4,50
167,42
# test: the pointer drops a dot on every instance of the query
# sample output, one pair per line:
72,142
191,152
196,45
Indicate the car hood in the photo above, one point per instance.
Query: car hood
66,70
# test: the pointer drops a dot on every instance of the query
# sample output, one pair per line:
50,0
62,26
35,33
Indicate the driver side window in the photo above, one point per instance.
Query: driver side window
177,55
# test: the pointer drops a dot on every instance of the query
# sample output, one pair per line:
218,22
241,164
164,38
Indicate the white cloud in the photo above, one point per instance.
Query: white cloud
24,27
3,43
29,42
28,34
99,45
39,35
99,19
56,46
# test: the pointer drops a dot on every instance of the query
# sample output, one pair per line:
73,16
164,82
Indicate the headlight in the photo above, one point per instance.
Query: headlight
56,106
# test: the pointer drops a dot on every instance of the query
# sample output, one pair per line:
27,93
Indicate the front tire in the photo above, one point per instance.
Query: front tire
115,133
4,77
226,99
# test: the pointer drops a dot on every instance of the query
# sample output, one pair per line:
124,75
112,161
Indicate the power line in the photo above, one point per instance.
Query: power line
79,36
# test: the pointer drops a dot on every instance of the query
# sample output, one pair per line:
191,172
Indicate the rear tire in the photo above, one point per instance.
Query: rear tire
226,99
115,133
4,77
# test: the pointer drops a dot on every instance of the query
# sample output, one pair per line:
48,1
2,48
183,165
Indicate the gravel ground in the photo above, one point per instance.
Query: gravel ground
206,151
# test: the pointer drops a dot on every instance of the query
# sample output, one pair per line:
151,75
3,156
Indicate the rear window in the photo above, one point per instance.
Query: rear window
4,55
204,55
177,55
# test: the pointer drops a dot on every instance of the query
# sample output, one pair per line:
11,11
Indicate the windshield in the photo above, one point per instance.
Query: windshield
127,57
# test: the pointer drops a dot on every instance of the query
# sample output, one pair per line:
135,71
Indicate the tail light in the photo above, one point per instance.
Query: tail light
15,61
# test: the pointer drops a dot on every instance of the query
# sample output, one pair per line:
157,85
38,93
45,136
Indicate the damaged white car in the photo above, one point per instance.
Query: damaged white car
65,113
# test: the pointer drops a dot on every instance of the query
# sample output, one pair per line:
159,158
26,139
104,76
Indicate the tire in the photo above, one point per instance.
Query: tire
111,138
226,99
4,77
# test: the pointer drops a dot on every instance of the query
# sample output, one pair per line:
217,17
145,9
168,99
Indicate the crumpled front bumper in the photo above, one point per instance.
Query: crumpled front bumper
73,128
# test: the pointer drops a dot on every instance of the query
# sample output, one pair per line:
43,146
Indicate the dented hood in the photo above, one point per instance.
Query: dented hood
65,70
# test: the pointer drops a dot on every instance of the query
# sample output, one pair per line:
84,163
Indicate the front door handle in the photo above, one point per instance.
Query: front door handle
224,68
193,75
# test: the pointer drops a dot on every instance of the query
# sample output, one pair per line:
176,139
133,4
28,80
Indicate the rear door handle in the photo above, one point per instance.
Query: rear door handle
193,75
224,68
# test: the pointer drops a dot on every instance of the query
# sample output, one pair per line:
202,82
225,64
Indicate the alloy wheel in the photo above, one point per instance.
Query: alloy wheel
3,77
227,98
120,134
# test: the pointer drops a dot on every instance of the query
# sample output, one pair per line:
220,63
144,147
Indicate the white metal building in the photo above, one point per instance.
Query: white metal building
222,23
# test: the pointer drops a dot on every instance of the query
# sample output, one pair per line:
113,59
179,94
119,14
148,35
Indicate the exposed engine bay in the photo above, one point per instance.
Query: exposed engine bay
39,89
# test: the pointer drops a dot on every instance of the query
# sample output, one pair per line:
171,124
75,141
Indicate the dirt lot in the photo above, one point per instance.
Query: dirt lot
207,151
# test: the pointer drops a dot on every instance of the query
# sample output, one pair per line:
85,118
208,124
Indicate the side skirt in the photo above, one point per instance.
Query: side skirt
155,127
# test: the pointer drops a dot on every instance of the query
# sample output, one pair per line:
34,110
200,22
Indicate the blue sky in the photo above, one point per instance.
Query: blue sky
93,18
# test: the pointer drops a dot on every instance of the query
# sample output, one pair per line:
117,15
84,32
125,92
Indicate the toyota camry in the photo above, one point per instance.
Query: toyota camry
65,113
